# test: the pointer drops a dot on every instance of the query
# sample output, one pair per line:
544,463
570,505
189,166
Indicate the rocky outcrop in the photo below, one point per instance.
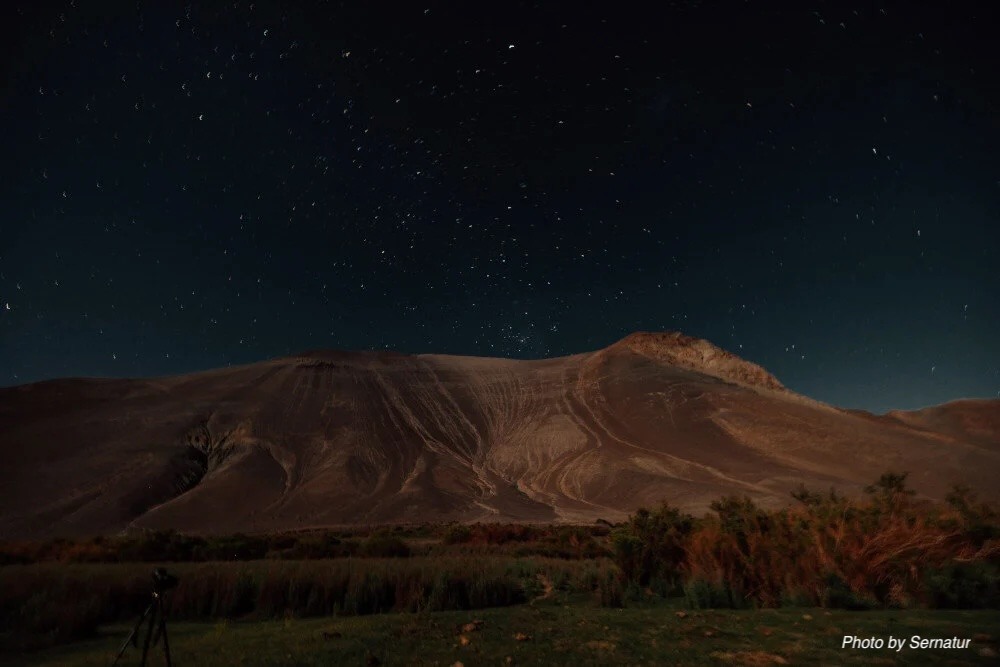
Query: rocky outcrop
677,349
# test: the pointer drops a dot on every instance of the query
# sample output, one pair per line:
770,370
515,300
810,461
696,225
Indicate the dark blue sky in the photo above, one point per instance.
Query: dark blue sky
813,186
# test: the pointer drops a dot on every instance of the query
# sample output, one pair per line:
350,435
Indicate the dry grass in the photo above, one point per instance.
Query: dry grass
50,603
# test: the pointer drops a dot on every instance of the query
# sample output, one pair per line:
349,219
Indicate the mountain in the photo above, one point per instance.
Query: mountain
358,438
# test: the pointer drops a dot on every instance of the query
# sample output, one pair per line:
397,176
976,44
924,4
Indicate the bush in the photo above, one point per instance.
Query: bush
650,545
964,586
886,551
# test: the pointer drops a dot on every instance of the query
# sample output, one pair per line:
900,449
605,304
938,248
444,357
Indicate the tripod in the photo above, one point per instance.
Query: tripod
158,619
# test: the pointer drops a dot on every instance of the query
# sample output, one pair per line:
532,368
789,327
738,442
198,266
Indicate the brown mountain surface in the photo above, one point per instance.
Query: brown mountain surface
347,438
975,422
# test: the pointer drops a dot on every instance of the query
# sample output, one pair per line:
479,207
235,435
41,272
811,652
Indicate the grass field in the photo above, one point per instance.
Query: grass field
555,632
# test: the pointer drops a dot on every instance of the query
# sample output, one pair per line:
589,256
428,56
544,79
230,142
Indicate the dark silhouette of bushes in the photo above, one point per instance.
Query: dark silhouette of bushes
522,541
171,546
492,533
311,547
576,542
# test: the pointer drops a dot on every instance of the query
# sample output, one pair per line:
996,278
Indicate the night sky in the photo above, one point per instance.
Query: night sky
813,186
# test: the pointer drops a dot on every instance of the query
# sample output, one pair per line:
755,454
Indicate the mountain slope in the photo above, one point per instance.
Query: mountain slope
334,438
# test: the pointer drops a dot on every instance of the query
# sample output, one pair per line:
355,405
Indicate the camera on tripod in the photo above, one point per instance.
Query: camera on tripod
163,580
155,617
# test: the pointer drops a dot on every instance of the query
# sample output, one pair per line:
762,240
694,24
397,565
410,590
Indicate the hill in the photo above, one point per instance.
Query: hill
332,438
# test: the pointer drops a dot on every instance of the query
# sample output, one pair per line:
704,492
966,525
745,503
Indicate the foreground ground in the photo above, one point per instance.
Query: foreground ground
554,633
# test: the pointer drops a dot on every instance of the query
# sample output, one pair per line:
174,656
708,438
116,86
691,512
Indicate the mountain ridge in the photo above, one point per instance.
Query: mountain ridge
334,437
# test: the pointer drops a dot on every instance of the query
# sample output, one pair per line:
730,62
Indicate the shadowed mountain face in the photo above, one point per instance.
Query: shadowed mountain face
341,438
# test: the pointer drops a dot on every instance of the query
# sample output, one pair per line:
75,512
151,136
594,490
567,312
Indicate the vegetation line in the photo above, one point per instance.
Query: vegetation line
886,550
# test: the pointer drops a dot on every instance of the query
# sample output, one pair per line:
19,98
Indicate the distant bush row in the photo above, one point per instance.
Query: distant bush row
453,539
886,550
167,545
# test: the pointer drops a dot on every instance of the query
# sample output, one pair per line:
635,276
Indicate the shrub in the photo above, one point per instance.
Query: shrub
650,545
889,550
964,586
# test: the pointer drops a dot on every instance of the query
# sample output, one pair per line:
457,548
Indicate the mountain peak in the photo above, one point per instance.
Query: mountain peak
697,354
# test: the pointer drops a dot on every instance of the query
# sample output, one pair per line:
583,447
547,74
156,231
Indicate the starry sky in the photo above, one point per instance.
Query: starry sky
813,186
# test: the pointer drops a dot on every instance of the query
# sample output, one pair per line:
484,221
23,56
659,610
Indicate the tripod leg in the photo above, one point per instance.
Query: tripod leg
158,631
149,635
163,631
131,639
